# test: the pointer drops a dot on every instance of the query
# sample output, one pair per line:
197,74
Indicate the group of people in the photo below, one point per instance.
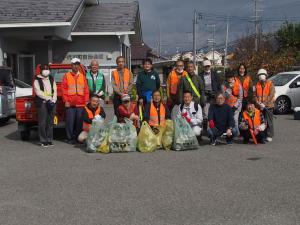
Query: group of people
229,109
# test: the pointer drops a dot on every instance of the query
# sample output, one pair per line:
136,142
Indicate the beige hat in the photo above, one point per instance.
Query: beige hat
75,60
206,63
262,72
125,97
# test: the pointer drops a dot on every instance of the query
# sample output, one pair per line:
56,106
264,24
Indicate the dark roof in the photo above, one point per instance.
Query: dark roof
108,17
36,11
140,51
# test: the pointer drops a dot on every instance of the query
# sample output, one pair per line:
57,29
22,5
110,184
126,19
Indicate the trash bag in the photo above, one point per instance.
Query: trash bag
122,137
184,137
96,135
104,147
147,140
168,135
158,131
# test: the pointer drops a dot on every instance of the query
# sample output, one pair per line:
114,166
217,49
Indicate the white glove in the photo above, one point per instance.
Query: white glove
262,127
262,106
100,93
194,122
98,117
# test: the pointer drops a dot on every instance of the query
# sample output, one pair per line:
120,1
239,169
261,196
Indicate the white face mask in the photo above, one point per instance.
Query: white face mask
179,70
45,73
262,77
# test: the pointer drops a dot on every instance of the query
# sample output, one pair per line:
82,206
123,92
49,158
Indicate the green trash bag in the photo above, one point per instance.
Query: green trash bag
184,138
122,137
168,135
96,135
147,140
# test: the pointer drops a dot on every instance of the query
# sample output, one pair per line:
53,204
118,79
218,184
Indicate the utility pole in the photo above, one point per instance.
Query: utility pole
226,44
256,25
197,16
159,42
212,40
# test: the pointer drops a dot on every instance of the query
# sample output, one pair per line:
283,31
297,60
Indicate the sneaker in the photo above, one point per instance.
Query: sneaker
269,139
44,145
50,144
213,142
229,142
71,142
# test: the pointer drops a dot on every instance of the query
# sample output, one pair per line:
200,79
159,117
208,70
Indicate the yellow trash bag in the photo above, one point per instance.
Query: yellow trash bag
147,140
168,135
104,146
159,131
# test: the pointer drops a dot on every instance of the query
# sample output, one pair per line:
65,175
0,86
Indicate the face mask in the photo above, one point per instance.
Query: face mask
262,77
45,73
179,70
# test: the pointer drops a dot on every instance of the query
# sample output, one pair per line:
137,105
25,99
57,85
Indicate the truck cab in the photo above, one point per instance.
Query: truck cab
7,94
26,111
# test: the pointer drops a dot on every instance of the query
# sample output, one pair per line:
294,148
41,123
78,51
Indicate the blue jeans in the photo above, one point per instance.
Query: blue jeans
214,133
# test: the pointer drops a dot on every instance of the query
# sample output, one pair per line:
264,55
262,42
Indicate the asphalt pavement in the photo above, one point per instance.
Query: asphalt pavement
230,185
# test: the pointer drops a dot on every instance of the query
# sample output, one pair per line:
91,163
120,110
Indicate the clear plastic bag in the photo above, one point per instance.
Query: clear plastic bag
184,138
96,135
147,140
168,135
122,137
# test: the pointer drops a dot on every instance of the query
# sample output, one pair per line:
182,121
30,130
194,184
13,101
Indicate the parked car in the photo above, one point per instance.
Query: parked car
22,89
26,111
7,94
287,86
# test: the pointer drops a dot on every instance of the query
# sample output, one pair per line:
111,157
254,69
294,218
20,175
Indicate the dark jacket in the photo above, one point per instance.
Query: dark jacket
215,83
222,117
146,114
86,118
184,85
147,82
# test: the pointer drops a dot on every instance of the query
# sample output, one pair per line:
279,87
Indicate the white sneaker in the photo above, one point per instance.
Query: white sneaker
269,139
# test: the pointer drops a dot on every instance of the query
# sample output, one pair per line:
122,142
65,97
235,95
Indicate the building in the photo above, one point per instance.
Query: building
41,31
214,56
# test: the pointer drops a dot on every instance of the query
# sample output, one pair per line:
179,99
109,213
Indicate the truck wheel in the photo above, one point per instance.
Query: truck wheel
25,135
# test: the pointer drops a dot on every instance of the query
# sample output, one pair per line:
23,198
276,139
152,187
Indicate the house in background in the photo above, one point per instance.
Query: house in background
41,31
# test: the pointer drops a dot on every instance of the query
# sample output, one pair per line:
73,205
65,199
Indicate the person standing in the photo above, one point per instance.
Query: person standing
247,84
233,93
265,98
147,82
122,82
173,83
221,121
75,93
192,112
96,80
45,98
194,84
212,86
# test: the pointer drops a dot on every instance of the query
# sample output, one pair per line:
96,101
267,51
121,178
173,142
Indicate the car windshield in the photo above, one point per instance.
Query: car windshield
282,79
21,84
58,74
6,78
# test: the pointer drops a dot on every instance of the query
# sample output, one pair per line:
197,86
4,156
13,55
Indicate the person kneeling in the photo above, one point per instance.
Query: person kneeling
221,121
192,112
252,124
128,110
91,111
156,113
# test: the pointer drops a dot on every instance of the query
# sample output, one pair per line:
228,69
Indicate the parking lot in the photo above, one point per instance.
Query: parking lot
238,184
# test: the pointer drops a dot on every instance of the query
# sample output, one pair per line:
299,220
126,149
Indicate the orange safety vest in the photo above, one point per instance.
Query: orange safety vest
75,86
86,126
174,81
233,98
126,77
246,85
263,93
153,121
256,120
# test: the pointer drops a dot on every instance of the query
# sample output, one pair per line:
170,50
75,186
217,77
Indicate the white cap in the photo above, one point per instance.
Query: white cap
262,72
125,97
206,63
75,60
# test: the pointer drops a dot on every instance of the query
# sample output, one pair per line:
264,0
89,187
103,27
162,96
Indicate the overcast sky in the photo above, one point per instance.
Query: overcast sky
175,19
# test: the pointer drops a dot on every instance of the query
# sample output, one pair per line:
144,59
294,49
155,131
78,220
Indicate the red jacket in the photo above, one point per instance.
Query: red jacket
74,100
124,113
